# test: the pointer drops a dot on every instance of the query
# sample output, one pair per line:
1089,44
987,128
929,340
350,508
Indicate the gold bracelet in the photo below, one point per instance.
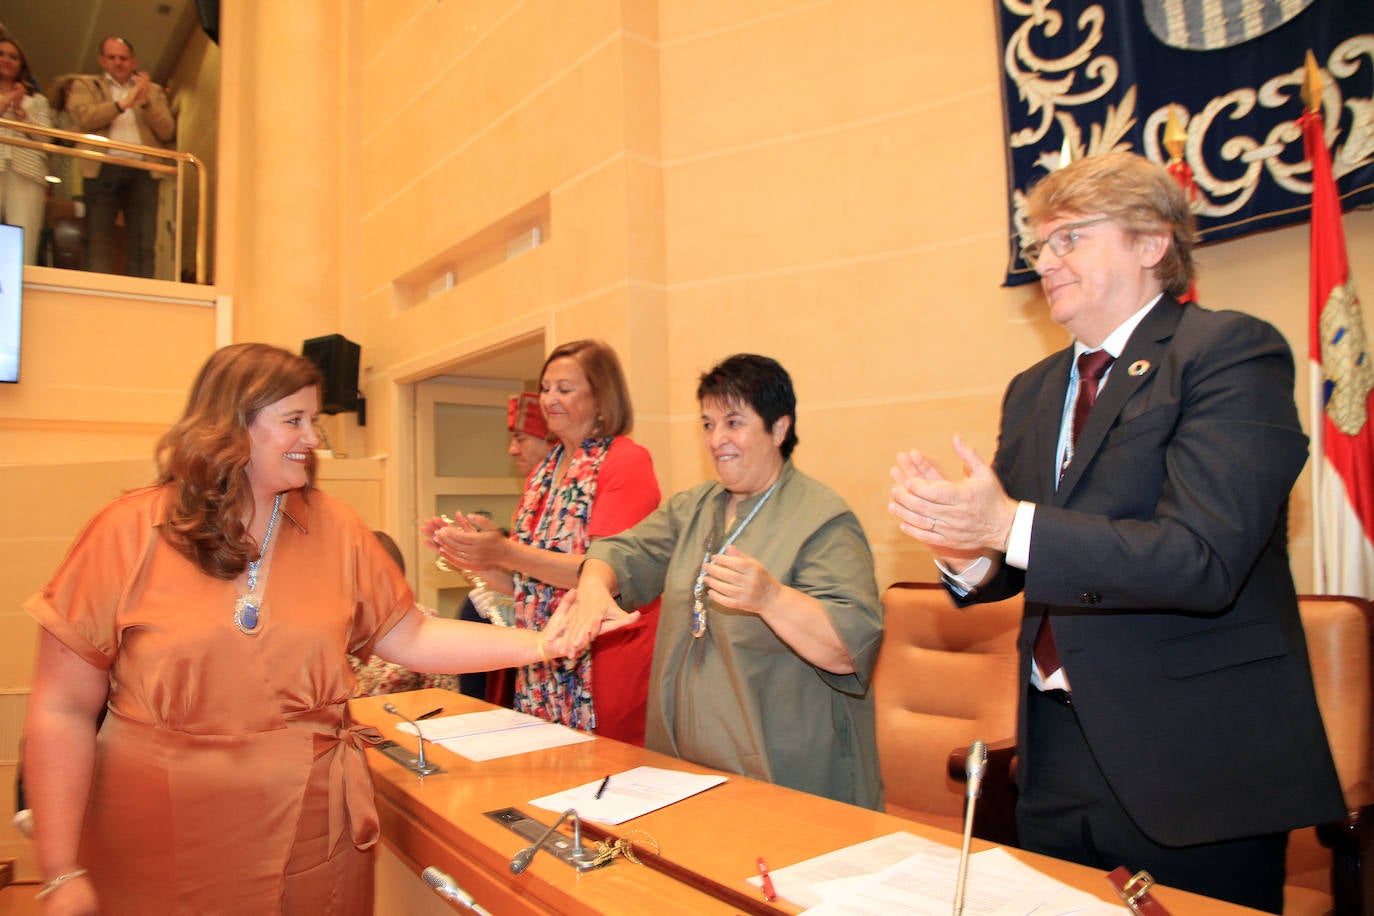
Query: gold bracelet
57,882
543,656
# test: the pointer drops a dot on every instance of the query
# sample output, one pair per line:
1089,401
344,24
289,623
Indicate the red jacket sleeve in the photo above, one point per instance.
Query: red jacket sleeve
626,489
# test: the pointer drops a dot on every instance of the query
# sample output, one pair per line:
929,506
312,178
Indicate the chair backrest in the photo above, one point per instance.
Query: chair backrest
1340,643
945,677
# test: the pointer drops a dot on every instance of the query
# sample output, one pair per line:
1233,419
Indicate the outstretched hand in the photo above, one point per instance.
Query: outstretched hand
580,617
958,519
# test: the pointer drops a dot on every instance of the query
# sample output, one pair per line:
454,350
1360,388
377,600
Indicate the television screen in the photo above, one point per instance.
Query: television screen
11,290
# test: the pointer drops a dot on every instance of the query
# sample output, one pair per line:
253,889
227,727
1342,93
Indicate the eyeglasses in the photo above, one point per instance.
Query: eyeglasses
1060,241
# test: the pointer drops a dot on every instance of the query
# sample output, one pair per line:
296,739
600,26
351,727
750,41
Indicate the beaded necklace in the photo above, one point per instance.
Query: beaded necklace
248,609
699,589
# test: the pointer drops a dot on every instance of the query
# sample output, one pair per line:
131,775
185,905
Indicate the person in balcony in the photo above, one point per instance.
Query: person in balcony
122,104
23,172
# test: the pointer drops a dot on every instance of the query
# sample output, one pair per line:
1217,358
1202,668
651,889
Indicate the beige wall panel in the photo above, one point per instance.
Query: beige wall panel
391,240
854,332
93,357
646,252
820,65
680,18
827,197
643,356
53,442
384,20
643,97
469,92
54,501
20,635
570,129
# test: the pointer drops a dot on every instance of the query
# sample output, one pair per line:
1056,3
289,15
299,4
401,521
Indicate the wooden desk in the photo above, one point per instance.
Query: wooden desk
439,820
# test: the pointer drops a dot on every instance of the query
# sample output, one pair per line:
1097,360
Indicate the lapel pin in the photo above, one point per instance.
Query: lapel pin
1139,367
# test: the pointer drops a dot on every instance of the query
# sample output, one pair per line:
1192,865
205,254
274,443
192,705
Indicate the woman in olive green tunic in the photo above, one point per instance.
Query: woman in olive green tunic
770,621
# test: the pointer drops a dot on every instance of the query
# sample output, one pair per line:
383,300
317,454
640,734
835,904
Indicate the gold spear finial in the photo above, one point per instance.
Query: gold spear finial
1174,136
1065,152
1311,84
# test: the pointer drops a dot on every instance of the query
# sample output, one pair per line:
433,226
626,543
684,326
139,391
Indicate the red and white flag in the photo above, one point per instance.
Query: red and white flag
1342,379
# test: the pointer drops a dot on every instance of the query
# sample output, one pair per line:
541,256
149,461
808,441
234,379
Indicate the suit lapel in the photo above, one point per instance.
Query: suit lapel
1135,368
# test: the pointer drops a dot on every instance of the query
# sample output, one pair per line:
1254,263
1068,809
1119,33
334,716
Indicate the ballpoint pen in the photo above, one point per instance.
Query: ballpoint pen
602,788
431,714
768,893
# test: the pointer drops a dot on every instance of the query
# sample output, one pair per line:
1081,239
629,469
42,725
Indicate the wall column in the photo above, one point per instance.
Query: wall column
281,216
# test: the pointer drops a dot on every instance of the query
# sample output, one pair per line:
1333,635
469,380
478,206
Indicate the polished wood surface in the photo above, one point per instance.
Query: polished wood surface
439,820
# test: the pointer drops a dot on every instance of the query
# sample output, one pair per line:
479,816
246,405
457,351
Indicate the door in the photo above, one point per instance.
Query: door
461,466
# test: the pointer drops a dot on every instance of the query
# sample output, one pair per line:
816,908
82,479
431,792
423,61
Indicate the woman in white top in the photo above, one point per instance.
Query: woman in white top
23,172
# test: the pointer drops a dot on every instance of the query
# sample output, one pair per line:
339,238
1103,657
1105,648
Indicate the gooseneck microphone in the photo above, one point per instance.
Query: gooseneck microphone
521,860
974,766
420,765
447,888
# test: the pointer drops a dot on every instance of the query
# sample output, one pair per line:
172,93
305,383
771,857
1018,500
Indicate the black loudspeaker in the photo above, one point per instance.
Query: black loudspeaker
209,18
337,357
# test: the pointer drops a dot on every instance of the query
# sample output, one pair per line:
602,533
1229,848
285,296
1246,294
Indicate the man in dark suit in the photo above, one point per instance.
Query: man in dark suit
1169,721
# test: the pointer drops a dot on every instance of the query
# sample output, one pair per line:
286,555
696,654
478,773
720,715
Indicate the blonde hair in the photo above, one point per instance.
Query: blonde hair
1137,193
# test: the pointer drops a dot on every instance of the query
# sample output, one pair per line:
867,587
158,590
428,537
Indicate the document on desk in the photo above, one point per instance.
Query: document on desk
495,733
903,874
629,794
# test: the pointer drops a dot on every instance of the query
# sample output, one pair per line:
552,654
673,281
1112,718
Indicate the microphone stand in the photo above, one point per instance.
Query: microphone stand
417,764
447,888
973,771
521,860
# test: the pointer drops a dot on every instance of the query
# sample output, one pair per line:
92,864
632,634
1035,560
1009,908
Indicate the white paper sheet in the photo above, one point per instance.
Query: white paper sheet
629,794
904,874
495,733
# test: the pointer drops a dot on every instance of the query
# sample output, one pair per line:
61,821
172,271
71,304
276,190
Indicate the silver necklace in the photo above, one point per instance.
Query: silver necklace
699,588
248,609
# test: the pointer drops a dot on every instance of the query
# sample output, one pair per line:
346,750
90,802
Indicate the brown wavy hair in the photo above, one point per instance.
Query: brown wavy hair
204,456
615,413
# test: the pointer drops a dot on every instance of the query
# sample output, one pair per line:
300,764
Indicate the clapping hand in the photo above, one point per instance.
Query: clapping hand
957,519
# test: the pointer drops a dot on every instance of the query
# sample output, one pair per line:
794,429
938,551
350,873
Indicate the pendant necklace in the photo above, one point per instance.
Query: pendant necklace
248,609
699,589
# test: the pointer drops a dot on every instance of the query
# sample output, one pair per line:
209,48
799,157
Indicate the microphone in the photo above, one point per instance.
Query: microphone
447,888
521,860
419,765
974,766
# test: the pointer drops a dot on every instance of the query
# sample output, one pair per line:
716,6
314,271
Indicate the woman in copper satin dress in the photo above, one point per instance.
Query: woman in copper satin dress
213,613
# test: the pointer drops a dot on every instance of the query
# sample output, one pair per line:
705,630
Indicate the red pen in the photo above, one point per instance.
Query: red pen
768,893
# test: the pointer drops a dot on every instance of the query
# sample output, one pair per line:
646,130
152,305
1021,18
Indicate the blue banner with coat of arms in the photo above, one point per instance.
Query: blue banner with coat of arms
1092,76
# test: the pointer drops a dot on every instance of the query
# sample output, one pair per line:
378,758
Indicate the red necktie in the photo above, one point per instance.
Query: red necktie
1091,367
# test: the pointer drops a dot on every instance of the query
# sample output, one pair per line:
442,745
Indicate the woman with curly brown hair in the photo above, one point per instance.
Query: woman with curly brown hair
213,613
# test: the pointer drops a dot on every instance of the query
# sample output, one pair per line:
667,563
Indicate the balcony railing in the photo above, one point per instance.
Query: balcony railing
155,159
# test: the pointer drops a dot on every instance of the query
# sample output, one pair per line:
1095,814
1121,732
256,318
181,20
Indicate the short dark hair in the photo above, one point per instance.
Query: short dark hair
759,382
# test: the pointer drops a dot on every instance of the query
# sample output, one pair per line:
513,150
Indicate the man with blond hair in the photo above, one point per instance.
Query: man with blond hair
1138,501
